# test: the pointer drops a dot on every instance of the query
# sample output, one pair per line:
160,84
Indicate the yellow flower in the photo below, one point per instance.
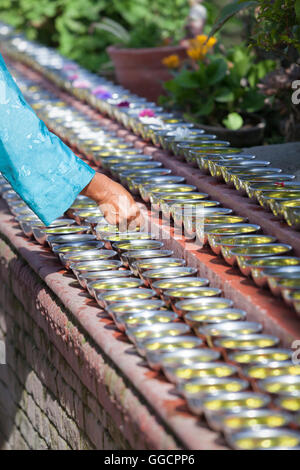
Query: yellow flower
171,61
200,46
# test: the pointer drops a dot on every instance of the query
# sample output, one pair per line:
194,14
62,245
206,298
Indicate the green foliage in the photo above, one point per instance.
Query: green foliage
277,26
220,89
73,25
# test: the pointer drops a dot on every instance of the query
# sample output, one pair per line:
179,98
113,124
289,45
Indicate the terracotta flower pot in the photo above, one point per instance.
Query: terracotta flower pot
141,70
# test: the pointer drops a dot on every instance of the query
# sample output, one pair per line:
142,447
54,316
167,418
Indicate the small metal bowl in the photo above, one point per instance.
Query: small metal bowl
283,385
185,373
215,163
94,278
247,342
261,356
95,265
189,215
139,334
81,215
120,168
214,316
111,161
138,267
256,189
125,246
197,388
236,421
172,296
289,403
290,211
153,275
239,175
124,295
215,405
197,305
38,230
119,237
228,330
128,175
71,239
102,286
215,234
181,357
165,202
156,348
79,256
229,243
284,280
129,257
208,223
243,254
279,179
134,306
261,266
65,248
264,439
148,189
146,318
293,298
110,266
69,230
271,369
87,256
164,284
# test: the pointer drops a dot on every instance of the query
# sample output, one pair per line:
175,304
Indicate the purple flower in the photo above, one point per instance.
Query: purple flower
101,93
123,104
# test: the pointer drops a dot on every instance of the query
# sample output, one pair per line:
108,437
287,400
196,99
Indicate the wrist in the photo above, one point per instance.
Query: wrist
96,188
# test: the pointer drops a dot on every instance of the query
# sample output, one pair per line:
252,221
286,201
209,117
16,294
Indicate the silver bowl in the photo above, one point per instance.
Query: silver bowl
164,284
129,257
181,357
134,306
129,245
150,317
242,255
138,267
172,296
261,266
264,439
215,234
153,275
260,356
155,348
124,295
214,316
114,284
196,305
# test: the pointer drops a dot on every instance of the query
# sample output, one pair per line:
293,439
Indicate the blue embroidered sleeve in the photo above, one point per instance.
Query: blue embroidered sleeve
39,166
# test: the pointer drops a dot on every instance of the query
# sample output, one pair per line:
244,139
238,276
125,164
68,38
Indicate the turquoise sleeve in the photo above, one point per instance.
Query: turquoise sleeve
40,167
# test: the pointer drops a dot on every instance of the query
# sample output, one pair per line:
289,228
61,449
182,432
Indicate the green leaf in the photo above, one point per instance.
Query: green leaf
187,79
224,95
253,101
229,11
206,108
233,121
216,71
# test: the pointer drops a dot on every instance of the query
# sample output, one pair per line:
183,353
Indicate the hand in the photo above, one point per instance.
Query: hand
116,204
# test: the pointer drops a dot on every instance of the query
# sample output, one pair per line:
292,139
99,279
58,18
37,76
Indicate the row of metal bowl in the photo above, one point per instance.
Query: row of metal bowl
273,189
225,377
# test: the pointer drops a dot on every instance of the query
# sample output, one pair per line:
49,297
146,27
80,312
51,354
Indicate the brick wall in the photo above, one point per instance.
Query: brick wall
43,403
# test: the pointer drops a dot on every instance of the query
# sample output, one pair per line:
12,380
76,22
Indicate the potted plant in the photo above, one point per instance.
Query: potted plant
219,90
138,53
